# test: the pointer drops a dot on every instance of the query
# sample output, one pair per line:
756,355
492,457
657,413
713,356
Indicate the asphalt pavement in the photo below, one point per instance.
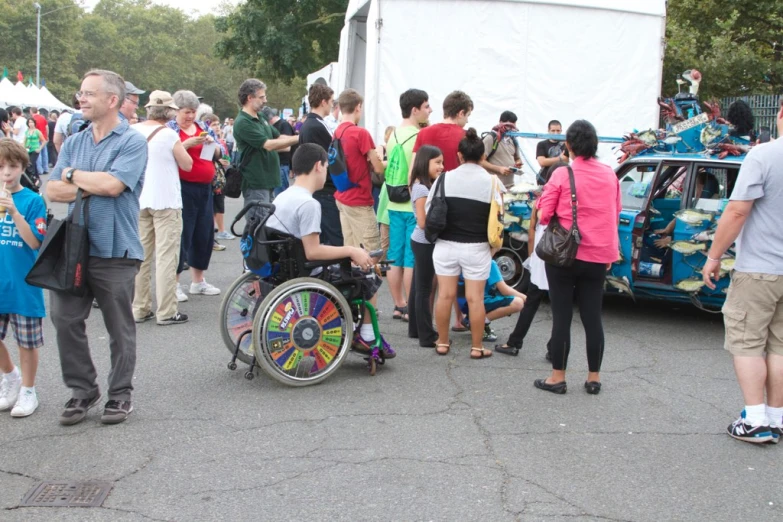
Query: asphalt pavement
427,438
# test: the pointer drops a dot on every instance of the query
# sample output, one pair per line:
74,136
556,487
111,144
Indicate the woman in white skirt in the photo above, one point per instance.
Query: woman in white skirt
535,292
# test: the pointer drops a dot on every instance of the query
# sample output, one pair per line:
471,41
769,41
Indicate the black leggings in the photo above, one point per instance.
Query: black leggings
534,296
419,311
588,280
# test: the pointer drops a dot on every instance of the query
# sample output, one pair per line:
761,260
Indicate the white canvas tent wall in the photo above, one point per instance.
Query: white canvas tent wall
557,59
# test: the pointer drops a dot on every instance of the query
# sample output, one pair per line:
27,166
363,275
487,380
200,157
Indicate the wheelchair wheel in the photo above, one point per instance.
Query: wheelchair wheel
303,331
237,312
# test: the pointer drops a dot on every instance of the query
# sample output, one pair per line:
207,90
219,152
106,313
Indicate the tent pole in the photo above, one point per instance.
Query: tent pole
38,47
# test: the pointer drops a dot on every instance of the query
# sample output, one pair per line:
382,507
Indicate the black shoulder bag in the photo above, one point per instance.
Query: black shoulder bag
62,260
559,246
437,215
233,184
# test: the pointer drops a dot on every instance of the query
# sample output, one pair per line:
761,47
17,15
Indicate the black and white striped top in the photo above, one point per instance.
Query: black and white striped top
468,192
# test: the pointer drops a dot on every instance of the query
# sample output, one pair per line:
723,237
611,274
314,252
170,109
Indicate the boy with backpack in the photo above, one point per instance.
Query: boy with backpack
356,151
394,207
22,229
503,158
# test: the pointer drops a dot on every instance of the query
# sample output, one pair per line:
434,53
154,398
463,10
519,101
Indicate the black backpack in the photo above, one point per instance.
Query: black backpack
338,168
496,142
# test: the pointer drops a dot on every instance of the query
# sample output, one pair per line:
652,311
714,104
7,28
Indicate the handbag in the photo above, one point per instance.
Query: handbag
495,225
233,185
559,246
435,223
63,257
219,181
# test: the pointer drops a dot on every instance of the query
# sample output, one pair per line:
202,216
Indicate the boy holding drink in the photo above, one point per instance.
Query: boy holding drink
22,229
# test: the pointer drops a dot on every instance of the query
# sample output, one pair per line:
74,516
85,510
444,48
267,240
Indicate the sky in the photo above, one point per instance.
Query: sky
194,7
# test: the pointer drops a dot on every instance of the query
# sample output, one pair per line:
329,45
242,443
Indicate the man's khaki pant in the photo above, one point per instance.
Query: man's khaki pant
360,228
161,233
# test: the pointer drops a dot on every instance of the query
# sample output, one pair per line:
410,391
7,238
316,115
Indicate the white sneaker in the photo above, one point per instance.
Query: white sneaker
204,288
181,296
9,391
26,404
226,235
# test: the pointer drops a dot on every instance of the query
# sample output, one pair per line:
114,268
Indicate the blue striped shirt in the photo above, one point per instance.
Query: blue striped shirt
114,222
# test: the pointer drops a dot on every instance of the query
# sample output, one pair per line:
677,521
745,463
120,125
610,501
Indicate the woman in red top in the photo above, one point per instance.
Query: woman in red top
197,220
598,214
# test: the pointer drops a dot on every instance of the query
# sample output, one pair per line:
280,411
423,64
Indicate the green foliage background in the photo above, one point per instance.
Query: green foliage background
153,46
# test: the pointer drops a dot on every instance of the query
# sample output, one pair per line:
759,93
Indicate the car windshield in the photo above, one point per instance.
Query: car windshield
635,187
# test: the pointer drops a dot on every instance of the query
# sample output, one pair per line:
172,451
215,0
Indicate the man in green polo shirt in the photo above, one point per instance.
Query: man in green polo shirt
255,136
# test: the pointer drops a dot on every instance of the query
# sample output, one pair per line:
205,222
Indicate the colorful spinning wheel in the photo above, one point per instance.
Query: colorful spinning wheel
304,331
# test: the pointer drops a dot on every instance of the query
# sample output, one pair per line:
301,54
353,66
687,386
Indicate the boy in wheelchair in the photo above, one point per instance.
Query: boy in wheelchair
298,214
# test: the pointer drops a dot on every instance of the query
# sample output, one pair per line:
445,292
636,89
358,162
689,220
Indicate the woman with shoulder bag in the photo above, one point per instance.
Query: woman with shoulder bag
597,215
462,247
198,234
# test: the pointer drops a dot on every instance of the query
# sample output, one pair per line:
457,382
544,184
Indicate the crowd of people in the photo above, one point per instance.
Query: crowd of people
155,196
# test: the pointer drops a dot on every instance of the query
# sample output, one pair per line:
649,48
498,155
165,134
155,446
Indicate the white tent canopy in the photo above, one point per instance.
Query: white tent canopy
23,96
543,59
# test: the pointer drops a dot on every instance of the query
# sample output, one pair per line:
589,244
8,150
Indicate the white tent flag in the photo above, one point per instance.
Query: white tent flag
599,60
6,92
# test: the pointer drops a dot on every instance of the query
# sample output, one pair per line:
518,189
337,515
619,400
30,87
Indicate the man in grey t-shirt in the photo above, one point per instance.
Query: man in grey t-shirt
753,312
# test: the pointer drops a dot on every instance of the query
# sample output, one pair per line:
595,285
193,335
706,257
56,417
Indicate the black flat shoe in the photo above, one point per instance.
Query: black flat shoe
560,388
593,387
508,350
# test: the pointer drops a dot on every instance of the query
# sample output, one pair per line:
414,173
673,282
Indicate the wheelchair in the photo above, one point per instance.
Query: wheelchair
293,318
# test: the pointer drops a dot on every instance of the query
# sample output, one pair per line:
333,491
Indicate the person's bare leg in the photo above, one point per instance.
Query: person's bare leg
752,377
6,364
774,380
219,223
28,360
407,281
394,278
196,275
458,315
447,293
374,302
474,293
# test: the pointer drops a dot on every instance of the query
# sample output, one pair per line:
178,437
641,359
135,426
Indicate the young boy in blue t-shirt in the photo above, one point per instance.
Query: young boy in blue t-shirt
22,229
500,300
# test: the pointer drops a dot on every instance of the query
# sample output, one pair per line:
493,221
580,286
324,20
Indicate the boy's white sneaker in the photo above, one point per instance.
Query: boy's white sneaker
204,288
181,296
26,404
9,391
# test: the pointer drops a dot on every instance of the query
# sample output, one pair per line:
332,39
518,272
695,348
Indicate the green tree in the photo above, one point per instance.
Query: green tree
60,21
737,46
282,39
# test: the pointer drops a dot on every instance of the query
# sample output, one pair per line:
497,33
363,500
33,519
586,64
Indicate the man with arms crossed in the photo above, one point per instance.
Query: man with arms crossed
107,161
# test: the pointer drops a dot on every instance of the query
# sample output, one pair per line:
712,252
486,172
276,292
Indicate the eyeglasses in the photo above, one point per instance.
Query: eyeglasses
134,102
86,94
263,97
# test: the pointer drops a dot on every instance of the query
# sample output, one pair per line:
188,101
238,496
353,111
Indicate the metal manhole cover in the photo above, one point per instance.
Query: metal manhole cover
67,494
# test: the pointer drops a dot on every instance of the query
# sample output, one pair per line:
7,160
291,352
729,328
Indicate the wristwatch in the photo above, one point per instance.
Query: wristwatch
69,175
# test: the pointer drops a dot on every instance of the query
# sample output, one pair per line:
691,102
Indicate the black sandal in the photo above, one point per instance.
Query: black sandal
438,347
485,353
403,311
